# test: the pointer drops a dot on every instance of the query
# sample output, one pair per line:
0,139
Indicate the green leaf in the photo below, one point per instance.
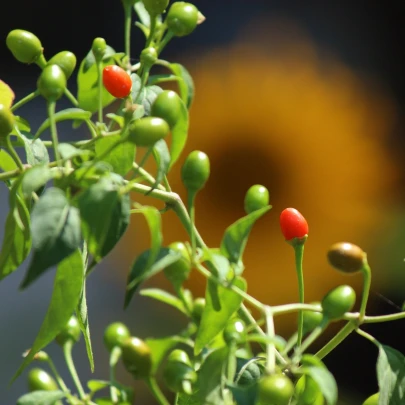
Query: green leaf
210,377
121,157
317,370
165,297
35,150
236,236
90,60
186,84
278,341
143,15
245,395
67,114
185,399
103,200
34,179
6,161
87,93
83,318
143,268
144,95
179,135
55,228
22,125
391,376
213,321
159,347
116,118
6,94
68,151
65,296
41,398
97,385
16,241
162,157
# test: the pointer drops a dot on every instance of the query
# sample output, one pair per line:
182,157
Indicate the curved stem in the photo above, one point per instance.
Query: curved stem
166,39
366,290
152,30
13,154
384,318
271,348
67,351
71,97
299,253
191,211
372,339
114,357
57,376
127,34
25,100
54,133
100,90
156,391
337,339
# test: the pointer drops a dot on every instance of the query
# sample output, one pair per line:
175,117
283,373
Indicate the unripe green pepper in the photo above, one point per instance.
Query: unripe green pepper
52,82
147,131
195,171
40,380
182,18
178,372
154,7
346,257
338,301
372,400
115,334
70,332
7,121
66,61
24,45
198,309
312,319
275,389
137,357
98,48
168,107
256,197
235,332
178,271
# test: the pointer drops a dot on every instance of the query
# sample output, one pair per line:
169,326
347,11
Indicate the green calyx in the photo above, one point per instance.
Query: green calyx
338,301
24,45
178,271
40,380
7,121
66,60
148,57
52,83
256,198
154,7
146,131
115,334
71,332
195,171
98,48
168,107
182,18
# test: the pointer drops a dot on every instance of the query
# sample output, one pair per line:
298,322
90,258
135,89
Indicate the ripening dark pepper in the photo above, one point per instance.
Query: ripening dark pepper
346,257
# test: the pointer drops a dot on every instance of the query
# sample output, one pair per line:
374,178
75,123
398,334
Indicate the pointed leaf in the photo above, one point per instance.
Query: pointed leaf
391,376
143,15
213,321
55,228
165,297
67,114
162,156
16,241
68,151
65,296
6,94
6,161
41,398
35,150
121,157
244,395
186,84
144,95
236,235
103,200
143,268
34,179
179,134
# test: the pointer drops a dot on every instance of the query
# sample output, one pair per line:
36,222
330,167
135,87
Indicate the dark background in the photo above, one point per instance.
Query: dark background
367,36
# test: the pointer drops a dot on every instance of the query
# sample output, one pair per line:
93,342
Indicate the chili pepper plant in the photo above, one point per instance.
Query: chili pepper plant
71,203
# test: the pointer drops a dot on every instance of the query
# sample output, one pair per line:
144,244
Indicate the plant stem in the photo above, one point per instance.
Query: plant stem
100,89
54,133
166,39
13,154
127,34
372,339
337,339
114,357
271,348
71,97
148,177
384,318
191,211
57,376
152,30
67,351
299,253
156,391
366,290
25,100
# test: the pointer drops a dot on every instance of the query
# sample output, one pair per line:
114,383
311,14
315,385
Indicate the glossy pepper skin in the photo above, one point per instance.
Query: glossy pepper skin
66,60
168,107
182,18
195,171
52,83
178,271
137,357
275,389
117,81
115,334
293,224
346,257
40,380
24,45
7,121
338,301
256,197
70,332
146,131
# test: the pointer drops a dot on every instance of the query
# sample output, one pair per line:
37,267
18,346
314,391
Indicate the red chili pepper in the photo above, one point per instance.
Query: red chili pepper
117,81
293,224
